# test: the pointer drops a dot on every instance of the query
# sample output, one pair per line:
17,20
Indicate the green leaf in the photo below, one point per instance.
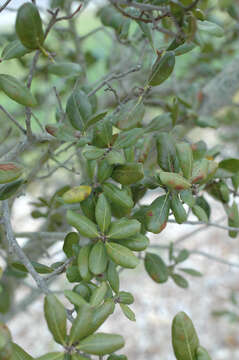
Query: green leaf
78,357
184,337
128,138
92,152
16,90
231,165
55,315
101,344
235,180
138,242
180,281
82,325
29,26
162,68
101,313
85,226
130,115
7,190
78,109
83,262
200,213
182,256
161,122
117,196
104,170
103,213
98,294
202,354
72,273
98,258
64,69
40,268
95,118
77,194
187,197
19,354
52,356
123,228
117,357
103,132
146,29
5,335
128,174
178,210
174,181
157,214
113,277
166,152
13,50
233,218
10,171
184,48
125,297
121,255
156,268
128,312
210,28
71,239
83,289
185,157
191,272
75,298
115,157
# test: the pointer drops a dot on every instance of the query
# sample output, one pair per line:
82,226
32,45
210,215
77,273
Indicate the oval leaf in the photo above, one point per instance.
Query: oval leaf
101,344
55,315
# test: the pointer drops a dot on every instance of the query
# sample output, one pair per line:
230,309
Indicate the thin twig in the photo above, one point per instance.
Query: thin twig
114,77
5,5
137,18
198,252
15,249
59,270
143,7
223,227
10,117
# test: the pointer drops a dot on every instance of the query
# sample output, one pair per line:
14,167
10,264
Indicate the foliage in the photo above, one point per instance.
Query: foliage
125,134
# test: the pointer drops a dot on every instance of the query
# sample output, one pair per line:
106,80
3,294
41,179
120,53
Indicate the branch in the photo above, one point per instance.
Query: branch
5,5
14,248
199,252
12,119
143,7
59,270
223,227
41,235
137,18
220,90
114,77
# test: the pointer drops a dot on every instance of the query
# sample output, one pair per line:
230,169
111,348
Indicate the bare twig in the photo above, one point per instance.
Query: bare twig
143,7
137,18
59,270
223,227
199,252
114,77
5,5
41,235
14,248
12,119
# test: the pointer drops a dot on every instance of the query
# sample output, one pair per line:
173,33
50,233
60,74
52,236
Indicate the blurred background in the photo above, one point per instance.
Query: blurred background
211,300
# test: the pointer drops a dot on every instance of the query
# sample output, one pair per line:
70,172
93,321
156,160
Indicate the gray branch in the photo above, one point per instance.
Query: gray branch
221,89
14,248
